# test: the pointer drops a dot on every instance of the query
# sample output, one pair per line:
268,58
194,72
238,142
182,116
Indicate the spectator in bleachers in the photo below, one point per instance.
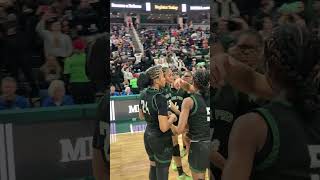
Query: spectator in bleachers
113,91
127,92
225,9
15,43
264,25
81,88
127,74
56,43
66,29
86,19
8,98
134,84
57,95
49,71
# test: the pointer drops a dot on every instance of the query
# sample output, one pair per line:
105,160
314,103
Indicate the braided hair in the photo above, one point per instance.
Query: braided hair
165,69
154,72
146,79
201,81
294,52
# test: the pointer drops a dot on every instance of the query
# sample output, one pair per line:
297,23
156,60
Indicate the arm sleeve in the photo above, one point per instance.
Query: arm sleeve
162,104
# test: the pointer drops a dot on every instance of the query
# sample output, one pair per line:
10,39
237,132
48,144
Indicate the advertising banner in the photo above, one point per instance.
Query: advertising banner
128,7
50,150
199,8
166,8
124,109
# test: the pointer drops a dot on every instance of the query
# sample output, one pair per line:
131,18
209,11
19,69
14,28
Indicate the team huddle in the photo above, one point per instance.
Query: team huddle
261,126
173,106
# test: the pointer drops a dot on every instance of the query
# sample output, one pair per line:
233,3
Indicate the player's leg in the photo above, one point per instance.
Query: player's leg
163,151
177,164
152,170
184,149
199,159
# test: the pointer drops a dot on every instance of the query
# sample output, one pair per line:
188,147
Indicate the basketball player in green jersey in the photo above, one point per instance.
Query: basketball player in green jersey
195,118
188,77
157,137
281,140
173,98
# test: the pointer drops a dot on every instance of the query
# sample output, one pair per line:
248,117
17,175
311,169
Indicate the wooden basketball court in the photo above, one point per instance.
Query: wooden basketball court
129,160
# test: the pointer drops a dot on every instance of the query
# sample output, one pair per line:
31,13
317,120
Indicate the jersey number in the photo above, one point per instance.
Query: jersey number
208,114
145,108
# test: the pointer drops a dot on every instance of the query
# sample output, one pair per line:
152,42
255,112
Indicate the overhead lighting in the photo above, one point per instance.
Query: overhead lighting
184,7
148,6
195,8
133,6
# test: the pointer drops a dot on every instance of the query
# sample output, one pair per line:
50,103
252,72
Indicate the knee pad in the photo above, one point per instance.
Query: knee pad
176,150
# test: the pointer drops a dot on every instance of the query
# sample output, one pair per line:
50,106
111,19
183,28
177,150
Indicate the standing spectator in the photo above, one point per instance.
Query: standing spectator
134,84
16,56
56,43
127,75
86,19
8,98
267,26
57,96
225,9
74,68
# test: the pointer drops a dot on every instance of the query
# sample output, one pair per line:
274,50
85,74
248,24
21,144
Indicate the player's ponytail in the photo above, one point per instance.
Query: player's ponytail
146,79
293,53
143,81
201,81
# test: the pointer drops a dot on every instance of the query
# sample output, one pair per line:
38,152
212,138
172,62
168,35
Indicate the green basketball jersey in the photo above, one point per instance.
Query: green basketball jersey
199,119
177,97
153,103
294,146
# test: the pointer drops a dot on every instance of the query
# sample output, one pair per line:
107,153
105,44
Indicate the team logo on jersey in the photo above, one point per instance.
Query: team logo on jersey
223,115
174,98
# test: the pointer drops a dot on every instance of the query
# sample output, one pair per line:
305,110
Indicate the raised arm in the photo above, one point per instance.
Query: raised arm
41,27
240,76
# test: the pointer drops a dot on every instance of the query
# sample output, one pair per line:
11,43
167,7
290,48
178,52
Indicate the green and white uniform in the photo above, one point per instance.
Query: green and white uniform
199,133
157,144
